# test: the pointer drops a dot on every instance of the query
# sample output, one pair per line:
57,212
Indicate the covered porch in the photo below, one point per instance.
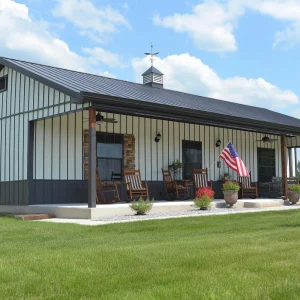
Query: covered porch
68,150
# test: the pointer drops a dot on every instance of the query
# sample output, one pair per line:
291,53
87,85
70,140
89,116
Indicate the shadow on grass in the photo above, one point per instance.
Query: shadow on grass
290,225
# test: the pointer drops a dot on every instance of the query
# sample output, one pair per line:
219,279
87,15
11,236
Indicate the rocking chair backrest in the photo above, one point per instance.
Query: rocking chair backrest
167,177
245,181
133,177
200,178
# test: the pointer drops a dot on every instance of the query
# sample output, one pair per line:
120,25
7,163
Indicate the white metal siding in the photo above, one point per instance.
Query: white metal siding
26,99
150,157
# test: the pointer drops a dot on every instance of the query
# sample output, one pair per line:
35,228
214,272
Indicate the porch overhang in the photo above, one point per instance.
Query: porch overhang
173,113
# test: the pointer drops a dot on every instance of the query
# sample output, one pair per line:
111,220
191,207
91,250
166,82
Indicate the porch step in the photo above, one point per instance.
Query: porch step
261,203
31,217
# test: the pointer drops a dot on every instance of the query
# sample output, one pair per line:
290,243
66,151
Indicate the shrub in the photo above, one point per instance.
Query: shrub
204,196
142,206
231,186
295,188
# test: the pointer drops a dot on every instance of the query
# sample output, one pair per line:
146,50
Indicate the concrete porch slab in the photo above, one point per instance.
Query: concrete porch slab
81,211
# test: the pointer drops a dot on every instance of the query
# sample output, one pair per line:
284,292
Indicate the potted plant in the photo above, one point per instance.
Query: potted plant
230,190
141,207
203,199
294,193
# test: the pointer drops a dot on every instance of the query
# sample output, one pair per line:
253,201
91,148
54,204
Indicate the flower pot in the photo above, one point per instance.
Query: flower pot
230,197
293,196
203,208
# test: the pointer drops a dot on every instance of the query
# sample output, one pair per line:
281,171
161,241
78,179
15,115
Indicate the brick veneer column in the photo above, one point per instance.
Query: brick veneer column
129,151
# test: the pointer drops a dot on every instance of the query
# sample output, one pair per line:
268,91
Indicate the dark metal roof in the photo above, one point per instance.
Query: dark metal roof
152,70
78,84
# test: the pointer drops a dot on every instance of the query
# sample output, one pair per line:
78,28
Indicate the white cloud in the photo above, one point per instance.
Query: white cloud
92,21
289,37
189,74
98,54
22,38
288,11
211,24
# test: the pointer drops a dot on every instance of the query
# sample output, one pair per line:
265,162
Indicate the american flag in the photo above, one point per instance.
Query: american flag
233,160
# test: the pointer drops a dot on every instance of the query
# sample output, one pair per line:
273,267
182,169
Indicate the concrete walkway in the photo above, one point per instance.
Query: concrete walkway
170,215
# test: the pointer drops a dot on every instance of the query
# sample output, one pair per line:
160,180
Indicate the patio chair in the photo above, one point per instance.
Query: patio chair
104,189
134,184
200,179
248,188
175,188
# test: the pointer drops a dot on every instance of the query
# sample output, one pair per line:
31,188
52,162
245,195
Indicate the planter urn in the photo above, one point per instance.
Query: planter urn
293,197
230,197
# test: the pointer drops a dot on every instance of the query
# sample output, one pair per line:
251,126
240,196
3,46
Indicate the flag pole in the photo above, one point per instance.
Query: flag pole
212,164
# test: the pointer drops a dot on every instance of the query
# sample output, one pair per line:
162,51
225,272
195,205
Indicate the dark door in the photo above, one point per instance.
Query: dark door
266,164
191,157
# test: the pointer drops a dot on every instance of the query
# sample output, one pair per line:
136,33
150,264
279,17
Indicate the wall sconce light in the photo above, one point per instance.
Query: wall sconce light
218,143
157,138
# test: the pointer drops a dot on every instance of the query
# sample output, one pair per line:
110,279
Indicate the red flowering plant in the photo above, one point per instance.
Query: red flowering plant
204,196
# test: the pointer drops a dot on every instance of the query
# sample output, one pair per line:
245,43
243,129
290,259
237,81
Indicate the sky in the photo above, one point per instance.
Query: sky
245,51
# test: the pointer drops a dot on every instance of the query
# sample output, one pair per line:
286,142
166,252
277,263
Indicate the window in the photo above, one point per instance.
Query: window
109,155
3,83
266,164
191,157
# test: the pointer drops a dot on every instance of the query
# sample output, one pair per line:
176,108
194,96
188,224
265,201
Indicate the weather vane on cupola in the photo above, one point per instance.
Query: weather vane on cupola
153,77
152,55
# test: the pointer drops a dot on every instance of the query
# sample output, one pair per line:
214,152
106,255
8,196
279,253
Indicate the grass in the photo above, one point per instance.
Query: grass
242,256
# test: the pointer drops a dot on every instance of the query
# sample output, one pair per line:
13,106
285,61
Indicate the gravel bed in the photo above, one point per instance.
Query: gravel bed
188,213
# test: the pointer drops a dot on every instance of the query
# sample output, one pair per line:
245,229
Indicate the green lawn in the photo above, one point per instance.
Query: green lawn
243,256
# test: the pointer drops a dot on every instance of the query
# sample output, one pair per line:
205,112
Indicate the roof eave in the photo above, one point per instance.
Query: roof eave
146,109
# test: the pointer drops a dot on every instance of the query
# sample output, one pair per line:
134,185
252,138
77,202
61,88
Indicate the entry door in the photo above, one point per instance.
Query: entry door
266,164
191,157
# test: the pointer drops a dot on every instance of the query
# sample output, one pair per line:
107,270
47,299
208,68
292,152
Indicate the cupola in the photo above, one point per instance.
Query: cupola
152,76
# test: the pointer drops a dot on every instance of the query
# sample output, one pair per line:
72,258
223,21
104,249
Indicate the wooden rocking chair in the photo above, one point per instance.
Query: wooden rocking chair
171,187
200,179
134,184
248,187
102,189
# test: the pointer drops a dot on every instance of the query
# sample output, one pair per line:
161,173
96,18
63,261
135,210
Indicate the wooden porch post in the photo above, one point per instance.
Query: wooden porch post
92,158
284,165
